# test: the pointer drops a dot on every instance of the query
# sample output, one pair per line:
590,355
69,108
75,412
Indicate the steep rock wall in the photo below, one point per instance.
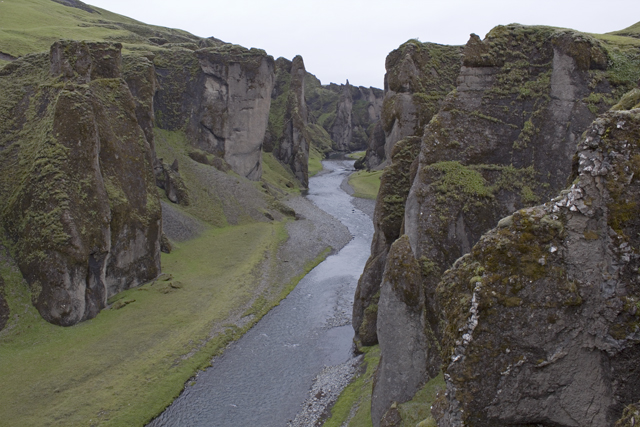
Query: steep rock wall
560,283
287,134
502,140
419,76
395,183
79,198
347,113
221,96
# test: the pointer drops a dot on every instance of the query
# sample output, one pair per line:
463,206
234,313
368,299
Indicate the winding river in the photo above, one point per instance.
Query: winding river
264,378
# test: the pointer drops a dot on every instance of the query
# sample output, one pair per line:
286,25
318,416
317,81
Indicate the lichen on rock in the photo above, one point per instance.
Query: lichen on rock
560,282
503,140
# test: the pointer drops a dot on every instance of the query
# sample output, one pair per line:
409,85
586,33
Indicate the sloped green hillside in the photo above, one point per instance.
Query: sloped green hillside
28,26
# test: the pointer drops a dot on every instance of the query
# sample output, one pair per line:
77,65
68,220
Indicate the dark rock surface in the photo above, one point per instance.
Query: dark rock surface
387,220
560,281
79,198
502,140
287,135
419,76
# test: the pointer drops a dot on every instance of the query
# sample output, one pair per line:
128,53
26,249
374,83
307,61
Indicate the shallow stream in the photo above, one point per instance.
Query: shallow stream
264,378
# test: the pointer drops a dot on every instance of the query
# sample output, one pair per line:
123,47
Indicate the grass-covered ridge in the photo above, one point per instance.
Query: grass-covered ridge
28,26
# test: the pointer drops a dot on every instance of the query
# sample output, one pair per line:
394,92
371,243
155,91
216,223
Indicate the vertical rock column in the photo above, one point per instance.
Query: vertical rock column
85,217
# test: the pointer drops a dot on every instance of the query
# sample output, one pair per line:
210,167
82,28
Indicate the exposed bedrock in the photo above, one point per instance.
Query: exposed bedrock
79,193
288,136
502,140
560,283
221,95
419,76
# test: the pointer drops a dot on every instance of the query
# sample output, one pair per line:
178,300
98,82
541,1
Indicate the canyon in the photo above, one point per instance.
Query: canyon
502,279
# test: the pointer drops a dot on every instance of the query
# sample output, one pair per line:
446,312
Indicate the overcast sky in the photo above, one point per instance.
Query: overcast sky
350,39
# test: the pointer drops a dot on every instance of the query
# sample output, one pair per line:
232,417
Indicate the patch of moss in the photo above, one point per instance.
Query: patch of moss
417,411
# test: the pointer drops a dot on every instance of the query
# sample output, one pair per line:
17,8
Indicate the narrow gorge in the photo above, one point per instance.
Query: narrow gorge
196,233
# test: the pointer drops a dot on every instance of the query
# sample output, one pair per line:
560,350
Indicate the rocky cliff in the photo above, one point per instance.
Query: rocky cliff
347,113
78,191
287,135
502,140
560,281
220,95
419,76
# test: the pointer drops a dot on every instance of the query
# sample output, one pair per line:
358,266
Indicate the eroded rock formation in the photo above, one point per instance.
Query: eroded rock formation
287,135
79,197
503,140
347,113
560,281
221,95
419,76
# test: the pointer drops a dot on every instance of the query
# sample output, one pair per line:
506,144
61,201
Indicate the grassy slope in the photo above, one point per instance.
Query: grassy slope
28,26
315,161
365,184
633,31
124,366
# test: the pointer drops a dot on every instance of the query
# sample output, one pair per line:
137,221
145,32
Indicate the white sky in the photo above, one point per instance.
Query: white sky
350,39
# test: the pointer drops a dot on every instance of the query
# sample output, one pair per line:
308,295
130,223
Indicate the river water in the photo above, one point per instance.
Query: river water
264,378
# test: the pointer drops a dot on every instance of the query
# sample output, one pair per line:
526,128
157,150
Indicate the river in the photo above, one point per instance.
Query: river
264,378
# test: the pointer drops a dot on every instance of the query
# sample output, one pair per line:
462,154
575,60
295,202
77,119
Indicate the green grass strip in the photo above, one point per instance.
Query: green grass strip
365,184
123,367
354,404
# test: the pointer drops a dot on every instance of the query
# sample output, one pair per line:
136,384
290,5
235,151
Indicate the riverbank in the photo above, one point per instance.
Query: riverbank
331,384
123,367
264,377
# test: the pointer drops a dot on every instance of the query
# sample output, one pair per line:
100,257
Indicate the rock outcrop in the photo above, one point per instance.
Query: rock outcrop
287,135
560,282
395,183
347,113
78,191
221,96
502,140
419,76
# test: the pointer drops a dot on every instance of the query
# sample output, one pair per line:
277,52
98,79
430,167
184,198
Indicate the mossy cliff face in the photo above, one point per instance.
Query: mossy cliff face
348,114
502,140
79,197
540,322
221,96
413,355
419,76
388,216
287,135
